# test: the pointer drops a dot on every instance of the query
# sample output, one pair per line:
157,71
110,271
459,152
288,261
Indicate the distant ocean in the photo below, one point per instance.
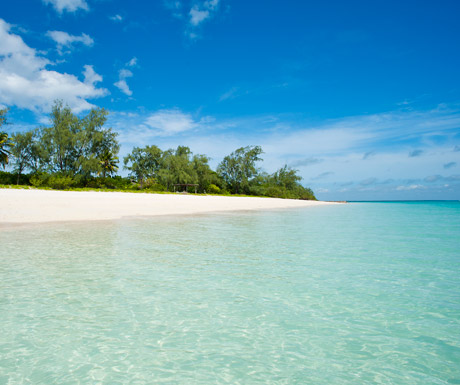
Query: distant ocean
360,293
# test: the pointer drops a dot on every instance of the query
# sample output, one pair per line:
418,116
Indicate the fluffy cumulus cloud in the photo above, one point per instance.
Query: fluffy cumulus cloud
170,122
66,41
91,77
67,5
27,82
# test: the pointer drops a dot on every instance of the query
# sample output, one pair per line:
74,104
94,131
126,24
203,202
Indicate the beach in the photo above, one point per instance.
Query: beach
40,206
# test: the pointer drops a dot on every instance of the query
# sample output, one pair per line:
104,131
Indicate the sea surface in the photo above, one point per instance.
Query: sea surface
360,293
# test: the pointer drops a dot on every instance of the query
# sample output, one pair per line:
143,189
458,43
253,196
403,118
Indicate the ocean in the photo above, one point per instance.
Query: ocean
360,293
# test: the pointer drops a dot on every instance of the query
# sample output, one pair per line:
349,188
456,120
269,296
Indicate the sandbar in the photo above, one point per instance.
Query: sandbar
39,206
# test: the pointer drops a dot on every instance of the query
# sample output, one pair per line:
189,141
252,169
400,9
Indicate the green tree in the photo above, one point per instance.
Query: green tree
205,176
73,145
239,168
176,168
38,154
143,163
109,163
286,177
94,141
59,140
22,151
5,143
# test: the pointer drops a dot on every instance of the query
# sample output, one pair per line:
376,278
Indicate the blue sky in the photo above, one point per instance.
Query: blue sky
362,97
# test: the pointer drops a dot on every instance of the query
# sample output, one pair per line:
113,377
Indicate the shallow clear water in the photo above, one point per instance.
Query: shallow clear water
364,293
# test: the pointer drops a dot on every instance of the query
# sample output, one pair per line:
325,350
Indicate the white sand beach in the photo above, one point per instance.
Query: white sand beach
39,206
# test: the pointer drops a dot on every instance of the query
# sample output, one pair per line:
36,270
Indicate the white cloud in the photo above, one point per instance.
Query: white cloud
132,62
328,155
123,74
65,40
123,87
116,18
26,82
195,16
91,77
67,5
198,15
170,122
211,4
121,84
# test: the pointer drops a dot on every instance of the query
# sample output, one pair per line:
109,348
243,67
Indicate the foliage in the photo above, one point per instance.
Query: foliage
176,168
143,163
5,144
109,163
213,189
80,152
22,152
8,178
73,145
205,176
61,182
239,168
284,183
169,167
39,179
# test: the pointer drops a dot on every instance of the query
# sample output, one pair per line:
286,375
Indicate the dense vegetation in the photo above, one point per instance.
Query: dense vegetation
80,152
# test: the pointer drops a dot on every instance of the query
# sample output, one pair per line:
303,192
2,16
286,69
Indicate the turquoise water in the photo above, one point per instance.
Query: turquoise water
363,293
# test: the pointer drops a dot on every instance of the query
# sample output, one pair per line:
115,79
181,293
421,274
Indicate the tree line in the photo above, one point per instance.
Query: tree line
81,152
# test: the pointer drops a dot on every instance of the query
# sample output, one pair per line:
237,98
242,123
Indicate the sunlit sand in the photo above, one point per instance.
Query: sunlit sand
35,206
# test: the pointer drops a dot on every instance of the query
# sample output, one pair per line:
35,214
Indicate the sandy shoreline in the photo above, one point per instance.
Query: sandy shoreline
40,206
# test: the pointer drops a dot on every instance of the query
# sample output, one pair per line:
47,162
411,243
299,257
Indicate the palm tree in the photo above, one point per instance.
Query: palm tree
109,163
5,142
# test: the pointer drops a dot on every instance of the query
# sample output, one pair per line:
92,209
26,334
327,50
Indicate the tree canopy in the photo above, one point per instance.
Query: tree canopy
81,151
239,168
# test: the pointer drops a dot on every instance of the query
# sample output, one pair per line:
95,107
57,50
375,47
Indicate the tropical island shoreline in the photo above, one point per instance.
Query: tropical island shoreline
23,206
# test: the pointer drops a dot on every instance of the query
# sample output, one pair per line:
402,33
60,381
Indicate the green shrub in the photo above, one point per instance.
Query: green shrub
274,192
156,187
7,178
61,182
39,179
213,189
